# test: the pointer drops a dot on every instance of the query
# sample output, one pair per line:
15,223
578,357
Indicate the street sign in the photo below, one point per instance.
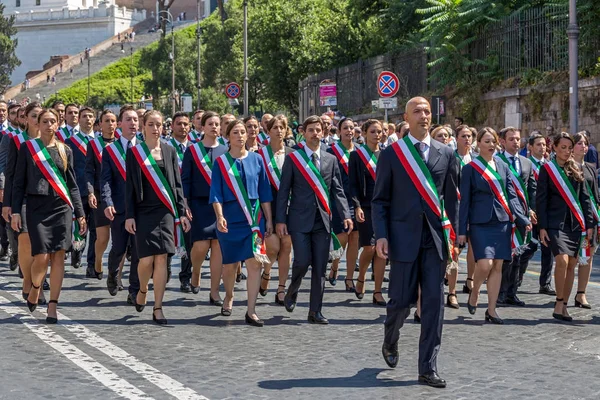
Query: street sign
387,84
388,103
328,93
233,90
234,102
186,102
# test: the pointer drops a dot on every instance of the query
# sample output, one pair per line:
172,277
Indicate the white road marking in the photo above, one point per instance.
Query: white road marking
82,360
148,372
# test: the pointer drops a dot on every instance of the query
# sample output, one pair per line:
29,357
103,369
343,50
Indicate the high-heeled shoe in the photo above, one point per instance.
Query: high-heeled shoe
382,303
49,319
350,289
195,289
140,307
98,274
417,317
30,305
466,289
226,312
587,306
263,292
254,322
493,320
213,302
25,295
280,302
333,281
472,309
360,295
450,304
558,316
567,318
159,321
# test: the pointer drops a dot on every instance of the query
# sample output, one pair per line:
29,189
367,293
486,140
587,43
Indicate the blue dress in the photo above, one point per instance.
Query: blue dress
236,245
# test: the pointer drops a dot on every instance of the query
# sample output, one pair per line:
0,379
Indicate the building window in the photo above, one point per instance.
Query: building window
18,3
38,2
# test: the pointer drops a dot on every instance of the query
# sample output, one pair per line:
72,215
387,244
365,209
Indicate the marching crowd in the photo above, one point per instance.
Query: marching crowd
408,197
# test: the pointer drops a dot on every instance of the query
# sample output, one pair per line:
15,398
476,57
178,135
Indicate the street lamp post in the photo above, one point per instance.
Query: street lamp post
88,83
245,57
130,69
573,34
198,40
172,57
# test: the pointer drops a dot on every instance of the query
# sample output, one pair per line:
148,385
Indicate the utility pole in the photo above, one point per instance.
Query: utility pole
573,34
88,63
132,98
245,57
173,105
198,40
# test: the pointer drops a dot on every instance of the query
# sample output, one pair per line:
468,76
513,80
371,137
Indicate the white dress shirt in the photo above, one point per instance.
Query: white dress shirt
426,142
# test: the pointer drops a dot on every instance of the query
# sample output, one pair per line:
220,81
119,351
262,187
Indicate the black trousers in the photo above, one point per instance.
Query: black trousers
3,232
427,271
120,239
547,259
185,274
310,249
13,240
510,277
90,236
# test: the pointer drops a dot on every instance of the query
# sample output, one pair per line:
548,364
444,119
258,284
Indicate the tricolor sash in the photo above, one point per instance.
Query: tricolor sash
595,209
497,187
342,154
194,136
273,171
118,133
263,138
80,141
63,134
233,179
161,187
175,144
44,162
20,137
312,175
97,146
562,183
518,183
203,161
301,144
10,131
222,141
421,177
536,167
117,154
459,158
369,160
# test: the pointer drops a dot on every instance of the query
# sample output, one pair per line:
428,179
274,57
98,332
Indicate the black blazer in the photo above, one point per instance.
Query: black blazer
528,179
9,172
79,162
361,182
552,210
134,194
274,191
112,184
397,208
29,180
303,203
194,184
478,203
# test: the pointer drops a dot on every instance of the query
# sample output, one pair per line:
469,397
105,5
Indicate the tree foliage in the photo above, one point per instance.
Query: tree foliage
8,45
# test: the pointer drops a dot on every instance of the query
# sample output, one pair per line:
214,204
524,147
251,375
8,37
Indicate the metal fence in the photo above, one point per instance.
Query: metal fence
533,39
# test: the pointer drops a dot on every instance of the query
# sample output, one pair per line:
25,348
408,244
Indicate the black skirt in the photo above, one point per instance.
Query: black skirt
564,242
98,213
366,234
204,221
49,222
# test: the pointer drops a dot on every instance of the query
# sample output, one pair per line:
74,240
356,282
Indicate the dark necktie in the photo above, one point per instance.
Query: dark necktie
418,147
315,160
182,147
129,144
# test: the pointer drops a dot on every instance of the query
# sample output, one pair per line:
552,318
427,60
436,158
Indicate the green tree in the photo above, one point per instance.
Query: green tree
8,45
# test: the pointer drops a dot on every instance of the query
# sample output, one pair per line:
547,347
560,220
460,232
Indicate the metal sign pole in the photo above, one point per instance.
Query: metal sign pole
385,118
438,110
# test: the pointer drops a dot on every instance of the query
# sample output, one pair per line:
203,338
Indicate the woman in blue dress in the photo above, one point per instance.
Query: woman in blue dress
196,178
240,190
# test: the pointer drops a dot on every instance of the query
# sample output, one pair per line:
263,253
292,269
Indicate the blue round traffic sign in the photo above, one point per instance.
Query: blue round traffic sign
233,90
387,84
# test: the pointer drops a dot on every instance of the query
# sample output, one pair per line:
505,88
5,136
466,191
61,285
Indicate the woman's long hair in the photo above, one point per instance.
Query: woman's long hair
571,168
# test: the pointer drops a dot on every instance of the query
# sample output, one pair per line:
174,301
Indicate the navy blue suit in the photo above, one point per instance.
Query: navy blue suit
416,247
112,190
79,166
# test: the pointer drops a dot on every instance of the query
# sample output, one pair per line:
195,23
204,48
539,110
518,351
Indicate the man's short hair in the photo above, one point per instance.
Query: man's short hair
180,114
313,119
503,132
535,135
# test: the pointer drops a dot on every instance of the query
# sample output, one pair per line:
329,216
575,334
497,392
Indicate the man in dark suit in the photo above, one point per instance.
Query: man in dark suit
307,219
510,139
409,232
112,187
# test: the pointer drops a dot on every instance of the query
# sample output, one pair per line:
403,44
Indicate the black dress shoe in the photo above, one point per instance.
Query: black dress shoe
254,322
20,272
501,302
90,272
493,320
379,302
131,299
390,354
159,321
417,317
168,273
317,318
52,320
466,289
587,306
77,265
515,301
185,287
226,312
289,303
547,289
46,285
111,285
14,262
472,309
4,254
213,302
450,304
195,289
432,379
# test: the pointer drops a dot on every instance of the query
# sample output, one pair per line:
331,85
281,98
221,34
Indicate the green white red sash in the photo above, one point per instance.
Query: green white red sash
44,162
459,158
202,160
423,181
536,167
194,136
518,183
97,146
301,144
175,144
118,133
80,141
272,169
20,137
161,187
10,131
497,187
562,183
342,154
312,175
263,138
233,179
117,154
595,208
369,160
63,134
222,141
